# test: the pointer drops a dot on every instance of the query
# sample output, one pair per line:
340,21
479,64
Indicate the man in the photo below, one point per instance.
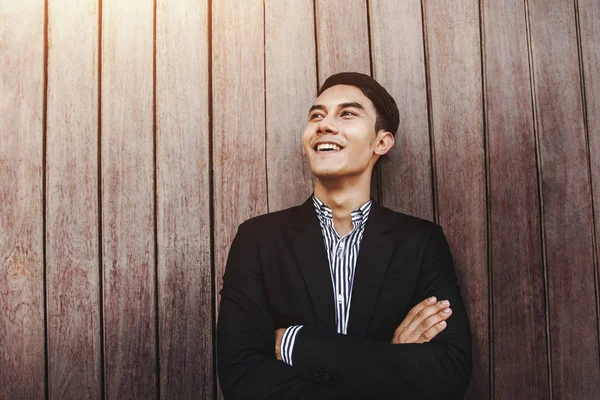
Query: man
340,297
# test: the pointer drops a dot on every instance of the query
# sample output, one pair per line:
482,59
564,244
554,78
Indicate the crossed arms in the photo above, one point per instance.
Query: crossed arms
426,357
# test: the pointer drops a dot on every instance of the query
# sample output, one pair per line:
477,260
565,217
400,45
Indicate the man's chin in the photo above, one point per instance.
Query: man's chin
327,174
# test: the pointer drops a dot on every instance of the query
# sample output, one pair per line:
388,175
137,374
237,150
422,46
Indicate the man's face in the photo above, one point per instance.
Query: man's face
340,139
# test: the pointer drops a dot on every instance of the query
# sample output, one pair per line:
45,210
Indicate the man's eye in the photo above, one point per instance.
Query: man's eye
347,113
315,116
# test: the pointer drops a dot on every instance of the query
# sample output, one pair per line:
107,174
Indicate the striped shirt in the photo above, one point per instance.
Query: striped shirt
342,253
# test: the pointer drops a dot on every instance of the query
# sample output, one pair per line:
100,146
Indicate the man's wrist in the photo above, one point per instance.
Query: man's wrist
287,343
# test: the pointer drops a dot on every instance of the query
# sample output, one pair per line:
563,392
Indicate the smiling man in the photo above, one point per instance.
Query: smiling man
340,297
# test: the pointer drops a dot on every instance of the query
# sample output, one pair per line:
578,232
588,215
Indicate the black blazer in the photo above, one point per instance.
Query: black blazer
277,275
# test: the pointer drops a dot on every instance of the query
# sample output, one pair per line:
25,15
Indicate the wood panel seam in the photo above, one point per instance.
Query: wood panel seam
486,156
100,215
429,115
370,39
264,4
540,191
44,199
315,26
211,206
157,376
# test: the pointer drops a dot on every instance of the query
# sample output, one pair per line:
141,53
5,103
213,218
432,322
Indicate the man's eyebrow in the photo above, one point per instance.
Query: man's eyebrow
351,104
316,107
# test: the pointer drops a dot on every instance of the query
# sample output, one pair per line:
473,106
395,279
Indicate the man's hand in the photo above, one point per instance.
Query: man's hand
423,322
278,338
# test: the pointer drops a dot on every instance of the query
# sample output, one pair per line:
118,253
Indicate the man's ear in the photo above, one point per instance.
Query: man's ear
385,141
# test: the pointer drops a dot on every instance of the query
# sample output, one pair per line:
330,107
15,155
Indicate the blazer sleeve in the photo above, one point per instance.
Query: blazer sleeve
440,369
247,366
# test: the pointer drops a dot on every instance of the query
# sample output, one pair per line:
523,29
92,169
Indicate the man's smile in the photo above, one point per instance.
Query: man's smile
327,147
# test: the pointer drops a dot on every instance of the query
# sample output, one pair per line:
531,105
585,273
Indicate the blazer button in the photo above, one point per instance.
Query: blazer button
317,372
327,376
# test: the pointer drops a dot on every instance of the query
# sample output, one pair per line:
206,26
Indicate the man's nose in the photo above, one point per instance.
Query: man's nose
326,125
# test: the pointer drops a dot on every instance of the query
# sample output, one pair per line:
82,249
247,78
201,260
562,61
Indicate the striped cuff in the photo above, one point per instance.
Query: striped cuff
287,343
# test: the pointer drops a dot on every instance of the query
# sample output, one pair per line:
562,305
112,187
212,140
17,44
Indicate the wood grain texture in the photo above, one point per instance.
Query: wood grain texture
342,37
456,98
264,73
566,194
128,199
240,189
183,201
291,87
519,321
399,65
21,217
73,276
589,21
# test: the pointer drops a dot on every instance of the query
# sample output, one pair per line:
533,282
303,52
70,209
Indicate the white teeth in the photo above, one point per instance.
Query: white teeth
328,146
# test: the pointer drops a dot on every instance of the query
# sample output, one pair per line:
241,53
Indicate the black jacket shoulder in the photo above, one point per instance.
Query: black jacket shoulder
277,222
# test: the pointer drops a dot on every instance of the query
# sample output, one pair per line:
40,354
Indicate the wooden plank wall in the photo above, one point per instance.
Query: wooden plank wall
128,200
514,218
22,106
183,200
137,134
72,235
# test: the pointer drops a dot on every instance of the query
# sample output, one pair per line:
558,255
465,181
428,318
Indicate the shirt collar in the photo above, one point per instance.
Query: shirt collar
359,216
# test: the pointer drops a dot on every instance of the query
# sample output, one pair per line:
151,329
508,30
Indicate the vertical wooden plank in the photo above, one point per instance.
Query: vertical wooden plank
72,201
127,199
519,321
399,65
566,194
456,100
589,20
291,89
342,37
183,208
240,189
21,218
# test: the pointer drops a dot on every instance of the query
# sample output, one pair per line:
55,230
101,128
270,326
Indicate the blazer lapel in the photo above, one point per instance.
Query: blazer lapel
312,258
373,259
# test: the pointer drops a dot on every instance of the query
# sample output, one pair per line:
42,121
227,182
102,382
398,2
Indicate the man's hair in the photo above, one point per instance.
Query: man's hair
388,117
